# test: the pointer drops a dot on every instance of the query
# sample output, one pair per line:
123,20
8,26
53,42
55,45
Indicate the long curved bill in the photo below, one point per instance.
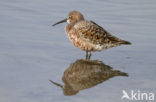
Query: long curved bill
57,84
62,21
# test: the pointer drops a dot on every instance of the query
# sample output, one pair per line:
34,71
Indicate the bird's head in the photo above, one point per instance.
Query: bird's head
73,17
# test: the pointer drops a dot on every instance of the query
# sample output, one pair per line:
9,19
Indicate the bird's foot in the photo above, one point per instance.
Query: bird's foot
88,55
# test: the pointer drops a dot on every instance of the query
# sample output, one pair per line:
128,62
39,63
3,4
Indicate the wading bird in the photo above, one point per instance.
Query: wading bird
83,74
87,35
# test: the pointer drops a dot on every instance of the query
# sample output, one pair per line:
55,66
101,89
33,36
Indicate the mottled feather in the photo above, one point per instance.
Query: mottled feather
92,32
87,35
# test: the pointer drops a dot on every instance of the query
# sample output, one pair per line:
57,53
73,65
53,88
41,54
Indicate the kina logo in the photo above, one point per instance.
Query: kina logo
137,95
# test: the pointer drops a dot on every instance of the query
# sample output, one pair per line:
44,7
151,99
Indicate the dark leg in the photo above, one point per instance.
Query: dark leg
87,54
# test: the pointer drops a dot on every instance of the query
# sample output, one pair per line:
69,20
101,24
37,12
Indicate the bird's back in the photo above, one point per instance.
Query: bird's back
91,32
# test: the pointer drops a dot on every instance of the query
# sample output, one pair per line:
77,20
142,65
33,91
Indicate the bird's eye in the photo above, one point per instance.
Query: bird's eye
70,17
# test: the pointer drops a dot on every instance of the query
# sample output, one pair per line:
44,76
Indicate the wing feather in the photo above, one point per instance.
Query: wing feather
92,32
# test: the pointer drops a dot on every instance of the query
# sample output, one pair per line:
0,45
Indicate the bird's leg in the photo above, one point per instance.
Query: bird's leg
89,56
86,54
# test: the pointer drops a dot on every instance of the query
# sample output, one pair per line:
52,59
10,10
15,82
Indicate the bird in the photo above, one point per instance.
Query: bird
88,35
84,74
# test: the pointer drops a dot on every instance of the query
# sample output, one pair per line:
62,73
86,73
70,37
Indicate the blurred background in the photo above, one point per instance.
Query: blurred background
32,51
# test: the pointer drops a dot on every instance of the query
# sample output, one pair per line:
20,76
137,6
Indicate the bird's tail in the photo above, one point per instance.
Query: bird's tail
125,42
118,73
118,41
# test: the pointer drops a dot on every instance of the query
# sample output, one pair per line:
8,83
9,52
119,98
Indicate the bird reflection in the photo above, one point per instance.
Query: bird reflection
84,74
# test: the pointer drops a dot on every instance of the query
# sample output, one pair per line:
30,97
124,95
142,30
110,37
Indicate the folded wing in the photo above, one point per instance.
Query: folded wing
95,34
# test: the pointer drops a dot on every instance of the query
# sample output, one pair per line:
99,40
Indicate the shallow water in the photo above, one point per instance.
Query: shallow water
32,52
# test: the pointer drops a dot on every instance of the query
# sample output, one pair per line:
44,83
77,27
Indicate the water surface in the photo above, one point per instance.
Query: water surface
32,52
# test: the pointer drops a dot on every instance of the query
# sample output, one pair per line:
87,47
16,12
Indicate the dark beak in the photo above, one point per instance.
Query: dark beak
62,21
57,84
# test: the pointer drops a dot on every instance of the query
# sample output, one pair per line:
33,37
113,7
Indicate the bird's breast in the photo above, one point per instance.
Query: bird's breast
73,35
78,41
